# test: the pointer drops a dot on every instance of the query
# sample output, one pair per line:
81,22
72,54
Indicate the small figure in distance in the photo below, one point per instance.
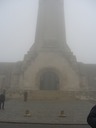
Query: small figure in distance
91,119
25,96
2,100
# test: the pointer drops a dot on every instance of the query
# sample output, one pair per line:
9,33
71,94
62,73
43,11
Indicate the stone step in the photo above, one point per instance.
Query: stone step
44,95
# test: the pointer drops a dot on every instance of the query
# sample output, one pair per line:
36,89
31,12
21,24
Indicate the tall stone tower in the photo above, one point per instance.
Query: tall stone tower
49,64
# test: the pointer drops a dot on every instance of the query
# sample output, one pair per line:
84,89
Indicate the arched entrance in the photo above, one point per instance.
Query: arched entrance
49,81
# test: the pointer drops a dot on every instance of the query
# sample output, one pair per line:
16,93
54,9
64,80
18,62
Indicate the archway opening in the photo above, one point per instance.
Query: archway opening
49,81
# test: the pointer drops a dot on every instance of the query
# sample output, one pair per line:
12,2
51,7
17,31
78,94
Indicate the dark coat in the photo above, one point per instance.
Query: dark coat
91,119
2,98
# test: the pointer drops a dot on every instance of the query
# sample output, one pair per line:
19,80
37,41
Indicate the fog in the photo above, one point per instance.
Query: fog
18,24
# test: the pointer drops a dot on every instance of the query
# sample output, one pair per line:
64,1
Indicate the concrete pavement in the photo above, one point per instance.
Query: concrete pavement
12,125
75,111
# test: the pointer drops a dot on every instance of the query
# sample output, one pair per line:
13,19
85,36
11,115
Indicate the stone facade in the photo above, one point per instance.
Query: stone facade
10,75
68,78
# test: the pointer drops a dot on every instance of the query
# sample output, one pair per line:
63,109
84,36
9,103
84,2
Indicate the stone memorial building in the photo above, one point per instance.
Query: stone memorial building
49,67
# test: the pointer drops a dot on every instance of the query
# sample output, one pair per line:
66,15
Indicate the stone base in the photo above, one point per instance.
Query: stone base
43,95
52,95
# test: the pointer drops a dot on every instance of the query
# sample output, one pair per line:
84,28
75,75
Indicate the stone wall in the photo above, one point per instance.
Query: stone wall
88,73
9,75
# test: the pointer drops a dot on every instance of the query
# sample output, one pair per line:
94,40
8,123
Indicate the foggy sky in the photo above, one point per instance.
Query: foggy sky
18,24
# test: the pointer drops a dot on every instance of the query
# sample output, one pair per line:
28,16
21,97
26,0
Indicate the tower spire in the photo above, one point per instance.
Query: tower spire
50,29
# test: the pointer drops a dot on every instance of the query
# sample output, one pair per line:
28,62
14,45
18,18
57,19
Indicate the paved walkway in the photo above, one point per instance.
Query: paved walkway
46,111
8,125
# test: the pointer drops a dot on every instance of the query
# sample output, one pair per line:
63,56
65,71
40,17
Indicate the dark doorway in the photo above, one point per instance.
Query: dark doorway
49,81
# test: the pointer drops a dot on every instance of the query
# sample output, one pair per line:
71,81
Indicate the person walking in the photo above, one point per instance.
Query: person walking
91,119
2,101
25,96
